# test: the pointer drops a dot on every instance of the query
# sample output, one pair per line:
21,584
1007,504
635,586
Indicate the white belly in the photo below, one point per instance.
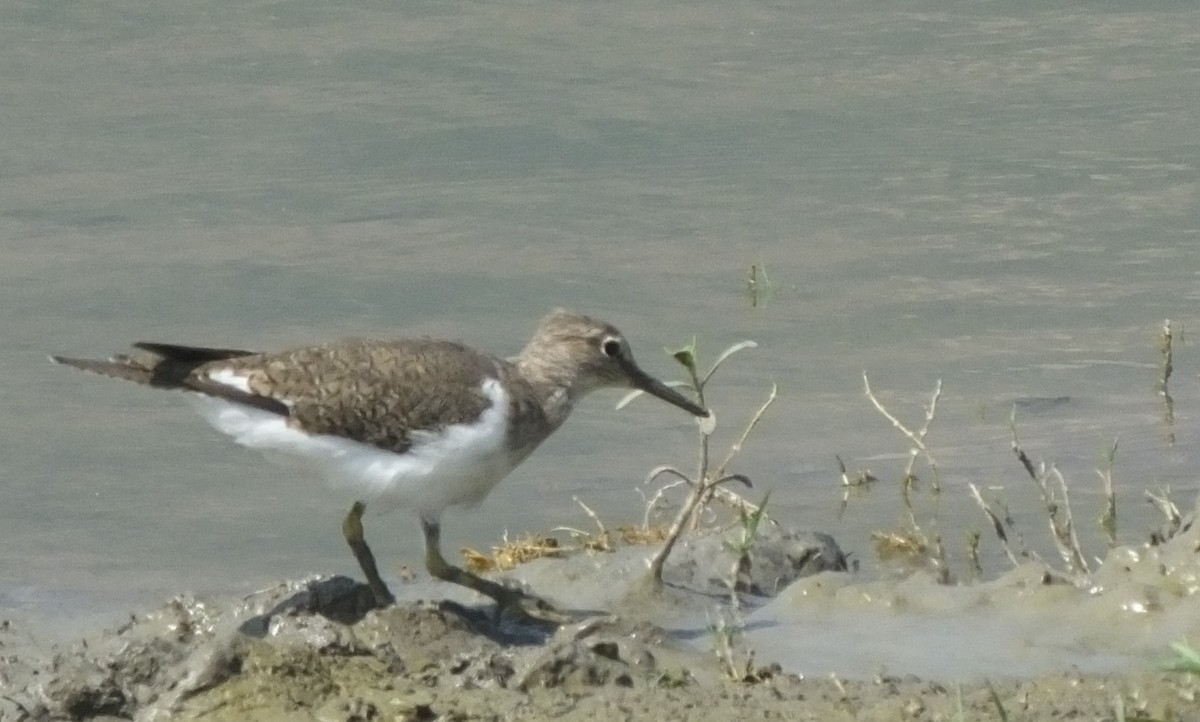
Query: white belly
456,466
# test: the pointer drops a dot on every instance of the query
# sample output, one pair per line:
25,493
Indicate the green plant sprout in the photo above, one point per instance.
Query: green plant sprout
708,480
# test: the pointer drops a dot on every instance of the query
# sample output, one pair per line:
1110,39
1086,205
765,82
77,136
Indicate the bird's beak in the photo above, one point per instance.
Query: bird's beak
639,379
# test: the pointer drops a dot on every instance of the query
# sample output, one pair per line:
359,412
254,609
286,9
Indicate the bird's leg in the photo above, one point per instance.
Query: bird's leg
506,597
352,529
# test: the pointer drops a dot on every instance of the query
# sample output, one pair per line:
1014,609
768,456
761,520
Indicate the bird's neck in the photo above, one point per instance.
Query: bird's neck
553,381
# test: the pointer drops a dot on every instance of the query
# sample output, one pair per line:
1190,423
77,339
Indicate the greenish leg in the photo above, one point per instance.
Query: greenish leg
507,598
352,530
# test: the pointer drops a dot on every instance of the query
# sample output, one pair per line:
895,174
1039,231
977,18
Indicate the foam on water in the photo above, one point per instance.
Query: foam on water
1025,623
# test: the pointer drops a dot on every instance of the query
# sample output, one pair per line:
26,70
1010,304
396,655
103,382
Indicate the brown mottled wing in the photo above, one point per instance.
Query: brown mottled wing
376,392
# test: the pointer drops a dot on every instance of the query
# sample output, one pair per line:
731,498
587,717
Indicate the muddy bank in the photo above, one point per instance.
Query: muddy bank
312,649
437,662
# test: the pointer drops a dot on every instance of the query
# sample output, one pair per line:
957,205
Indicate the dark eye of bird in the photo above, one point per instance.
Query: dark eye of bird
611,347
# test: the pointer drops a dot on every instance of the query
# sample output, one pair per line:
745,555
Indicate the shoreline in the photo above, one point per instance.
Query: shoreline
316,649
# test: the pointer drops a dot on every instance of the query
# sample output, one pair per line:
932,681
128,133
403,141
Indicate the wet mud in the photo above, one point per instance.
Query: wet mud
314,649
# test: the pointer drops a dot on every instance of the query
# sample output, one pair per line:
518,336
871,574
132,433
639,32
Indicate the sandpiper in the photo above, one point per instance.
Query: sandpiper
416,423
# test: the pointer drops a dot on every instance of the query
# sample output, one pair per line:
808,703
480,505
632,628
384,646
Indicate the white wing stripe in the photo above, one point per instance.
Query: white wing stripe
228,377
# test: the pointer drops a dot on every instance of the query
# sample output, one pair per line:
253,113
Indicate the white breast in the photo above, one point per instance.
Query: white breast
458,465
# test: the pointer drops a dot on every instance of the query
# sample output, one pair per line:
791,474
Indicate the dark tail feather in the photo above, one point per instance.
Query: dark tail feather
191,354
159,365
119,367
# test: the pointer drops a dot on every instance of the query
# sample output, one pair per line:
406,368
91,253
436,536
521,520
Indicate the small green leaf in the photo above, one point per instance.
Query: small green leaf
754,519
1111,455
1188,659
686,356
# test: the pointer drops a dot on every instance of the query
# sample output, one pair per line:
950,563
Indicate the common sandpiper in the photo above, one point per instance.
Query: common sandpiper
421,424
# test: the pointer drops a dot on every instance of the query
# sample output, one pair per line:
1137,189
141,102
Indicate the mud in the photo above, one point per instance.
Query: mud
313,650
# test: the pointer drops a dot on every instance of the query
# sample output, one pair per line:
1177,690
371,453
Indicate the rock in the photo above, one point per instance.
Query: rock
707,560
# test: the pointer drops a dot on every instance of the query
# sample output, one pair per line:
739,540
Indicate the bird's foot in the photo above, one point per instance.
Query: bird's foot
512,602
382,596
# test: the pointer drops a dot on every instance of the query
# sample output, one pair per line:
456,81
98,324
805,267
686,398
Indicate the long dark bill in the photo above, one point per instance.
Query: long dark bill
639,379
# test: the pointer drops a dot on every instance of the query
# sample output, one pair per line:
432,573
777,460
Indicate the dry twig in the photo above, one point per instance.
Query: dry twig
916,437
997,525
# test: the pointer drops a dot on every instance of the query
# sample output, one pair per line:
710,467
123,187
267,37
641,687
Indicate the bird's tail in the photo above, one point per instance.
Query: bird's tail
159,365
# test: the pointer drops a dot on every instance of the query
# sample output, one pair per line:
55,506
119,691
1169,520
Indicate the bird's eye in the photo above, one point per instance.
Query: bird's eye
611,347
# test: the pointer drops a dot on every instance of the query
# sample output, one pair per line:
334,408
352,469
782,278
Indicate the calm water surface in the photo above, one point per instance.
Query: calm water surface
1005,199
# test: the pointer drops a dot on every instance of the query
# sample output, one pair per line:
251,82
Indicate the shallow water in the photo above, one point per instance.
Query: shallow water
1011,627
1005,200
